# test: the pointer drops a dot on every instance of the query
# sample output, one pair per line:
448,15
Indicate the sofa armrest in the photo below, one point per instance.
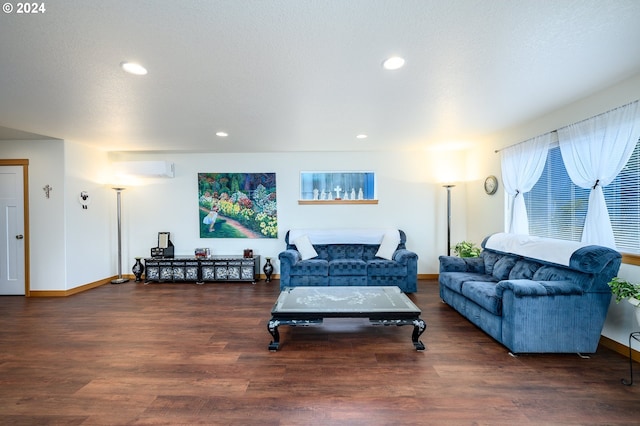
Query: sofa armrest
291,256
404,256
521,288
461,264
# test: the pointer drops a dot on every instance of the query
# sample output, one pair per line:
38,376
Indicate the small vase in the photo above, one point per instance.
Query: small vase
268,269
138,269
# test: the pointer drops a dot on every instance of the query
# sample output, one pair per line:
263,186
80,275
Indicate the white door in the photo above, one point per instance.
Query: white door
11,231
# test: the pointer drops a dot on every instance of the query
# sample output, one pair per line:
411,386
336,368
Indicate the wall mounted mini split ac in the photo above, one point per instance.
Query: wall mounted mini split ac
164,169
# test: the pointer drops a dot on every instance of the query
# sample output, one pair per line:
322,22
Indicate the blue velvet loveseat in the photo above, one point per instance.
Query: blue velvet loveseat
348,257
533,295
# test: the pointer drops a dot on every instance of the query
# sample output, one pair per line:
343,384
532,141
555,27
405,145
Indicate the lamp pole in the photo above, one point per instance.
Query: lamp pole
448,218
120,279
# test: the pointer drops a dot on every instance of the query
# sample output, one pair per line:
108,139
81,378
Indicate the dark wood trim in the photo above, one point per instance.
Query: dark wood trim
620,348
631,259
428,277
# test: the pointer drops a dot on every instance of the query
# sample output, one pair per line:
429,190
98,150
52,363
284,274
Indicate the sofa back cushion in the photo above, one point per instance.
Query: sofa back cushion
322,250
503,266
524,269
490,258
345,251
369,251
556,273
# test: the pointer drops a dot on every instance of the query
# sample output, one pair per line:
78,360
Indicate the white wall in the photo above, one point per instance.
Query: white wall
91,233
46,215
69,246
486,213
408,199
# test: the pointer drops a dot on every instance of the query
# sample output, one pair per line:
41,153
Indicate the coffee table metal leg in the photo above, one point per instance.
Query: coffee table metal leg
419,326
272,326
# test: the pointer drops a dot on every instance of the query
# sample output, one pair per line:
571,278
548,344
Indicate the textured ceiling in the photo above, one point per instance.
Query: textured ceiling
300,75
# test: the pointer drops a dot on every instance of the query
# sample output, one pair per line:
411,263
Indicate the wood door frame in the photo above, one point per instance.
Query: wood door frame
25,188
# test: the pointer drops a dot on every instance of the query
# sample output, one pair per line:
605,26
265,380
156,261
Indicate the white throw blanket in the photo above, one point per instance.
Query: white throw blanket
547,249
342,236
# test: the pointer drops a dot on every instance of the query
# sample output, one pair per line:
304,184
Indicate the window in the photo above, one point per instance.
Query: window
557,207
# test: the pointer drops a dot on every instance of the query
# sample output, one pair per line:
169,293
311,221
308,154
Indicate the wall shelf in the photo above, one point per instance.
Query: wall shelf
325,202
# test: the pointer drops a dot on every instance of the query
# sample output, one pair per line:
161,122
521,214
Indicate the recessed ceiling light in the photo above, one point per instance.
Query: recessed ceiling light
133,68
222,134
361,136
393,63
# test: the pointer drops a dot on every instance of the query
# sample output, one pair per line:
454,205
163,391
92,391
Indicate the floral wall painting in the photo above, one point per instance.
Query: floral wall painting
237,205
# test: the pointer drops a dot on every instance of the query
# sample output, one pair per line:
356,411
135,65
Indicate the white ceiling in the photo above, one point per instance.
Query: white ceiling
304,75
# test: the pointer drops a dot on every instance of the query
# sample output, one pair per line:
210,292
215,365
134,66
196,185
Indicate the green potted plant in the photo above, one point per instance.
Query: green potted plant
466,249
623,289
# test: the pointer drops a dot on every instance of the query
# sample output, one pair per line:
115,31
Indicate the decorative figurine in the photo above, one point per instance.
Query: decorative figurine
338,191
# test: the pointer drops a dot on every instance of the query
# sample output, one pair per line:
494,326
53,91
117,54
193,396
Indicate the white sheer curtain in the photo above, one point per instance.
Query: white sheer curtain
594,151
522,166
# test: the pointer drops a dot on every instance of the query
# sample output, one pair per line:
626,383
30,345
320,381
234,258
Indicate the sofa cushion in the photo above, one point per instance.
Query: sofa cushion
347,280
345,251
490,258
307,280
311,267
455,280
502,267
347,267
524,270
385,268
484,294
304,246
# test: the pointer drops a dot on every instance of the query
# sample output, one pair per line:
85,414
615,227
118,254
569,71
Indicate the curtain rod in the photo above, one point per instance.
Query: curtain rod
520,143
556,131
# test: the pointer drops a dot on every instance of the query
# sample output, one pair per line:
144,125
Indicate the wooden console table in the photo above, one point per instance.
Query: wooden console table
201,270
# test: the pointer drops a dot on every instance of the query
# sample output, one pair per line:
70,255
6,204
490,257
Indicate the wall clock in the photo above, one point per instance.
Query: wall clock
491,185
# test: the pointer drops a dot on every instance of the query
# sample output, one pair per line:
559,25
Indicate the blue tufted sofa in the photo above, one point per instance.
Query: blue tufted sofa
348,257
533,294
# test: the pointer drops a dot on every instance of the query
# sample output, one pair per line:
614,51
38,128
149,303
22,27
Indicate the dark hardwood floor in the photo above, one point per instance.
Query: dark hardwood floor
190,354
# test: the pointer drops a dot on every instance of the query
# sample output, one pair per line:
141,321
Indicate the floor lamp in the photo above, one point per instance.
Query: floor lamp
448,218
119,280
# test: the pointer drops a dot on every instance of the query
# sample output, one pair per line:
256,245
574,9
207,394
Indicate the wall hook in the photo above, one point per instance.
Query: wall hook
84,199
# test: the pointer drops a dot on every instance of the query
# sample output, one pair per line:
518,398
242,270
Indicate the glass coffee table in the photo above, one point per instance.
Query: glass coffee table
310,305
